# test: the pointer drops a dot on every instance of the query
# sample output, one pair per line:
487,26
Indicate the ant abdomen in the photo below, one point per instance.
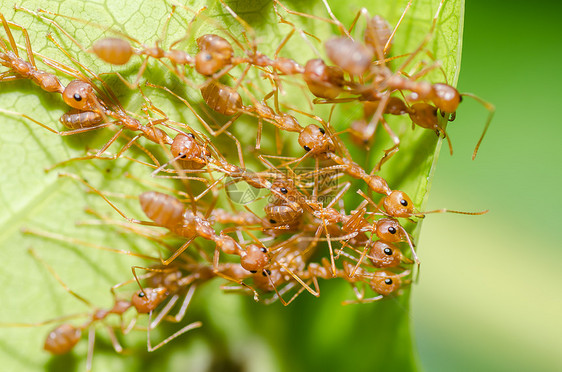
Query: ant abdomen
284,213
221,98
75,119
62,339
161,208
424,115
322,80
394,106
351,56
113,50
377,33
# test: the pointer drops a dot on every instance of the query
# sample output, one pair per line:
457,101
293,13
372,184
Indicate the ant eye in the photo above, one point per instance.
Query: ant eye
272,221
306,148
182,156
322,130
77,97
404,202
253,271
284,190
141,294
263,249
392,230
388,251
266,272
388,281
191,135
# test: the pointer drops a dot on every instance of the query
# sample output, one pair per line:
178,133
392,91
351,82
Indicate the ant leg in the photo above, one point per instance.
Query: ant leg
164,312
185,304
98,154
426,40
58,278
9,33
389,41
442,131
492,109
74,241
92,188
333,21
300,281
179,251
391,151
185,329
13,43
63,133
114,342
53,22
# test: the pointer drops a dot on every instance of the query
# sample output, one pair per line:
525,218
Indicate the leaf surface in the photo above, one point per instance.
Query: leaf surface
311,333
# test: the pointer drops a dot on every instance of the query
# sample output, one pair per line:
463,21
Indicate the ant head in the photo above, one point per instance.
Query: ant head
384,255
215,54
313,138
385,282
215,44
207,63
398,204
80,95
424,115
268,280
62,339
282,190
446,98
146,300
389,230
113,50
191,154
395,106
255,258
352,56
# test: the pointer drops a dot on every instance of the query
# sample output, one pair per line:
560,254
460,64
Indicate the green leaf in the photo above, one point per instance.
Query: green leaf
310,333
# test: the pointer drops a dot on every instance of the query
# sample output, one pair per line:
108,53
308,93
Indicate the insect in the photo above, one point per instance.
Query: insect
118,50
64,337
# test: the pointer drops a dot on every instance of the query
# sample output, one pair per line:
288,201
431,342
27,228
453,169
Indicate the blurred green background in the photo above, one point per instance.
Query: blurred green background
490,290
